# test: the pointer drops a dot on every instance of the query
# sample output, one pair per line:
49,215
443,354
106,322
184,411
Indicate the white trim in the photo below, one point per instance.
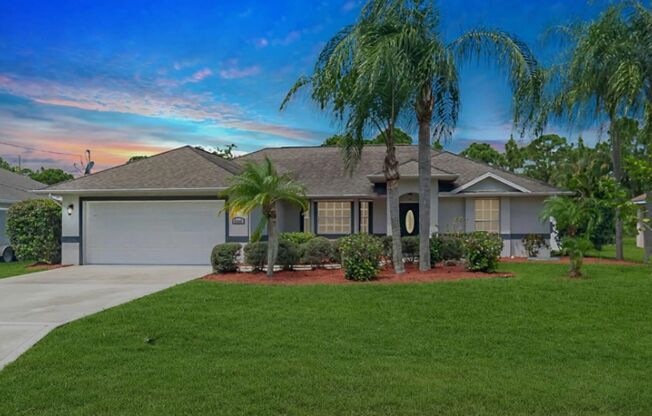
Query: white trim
492,176
131,190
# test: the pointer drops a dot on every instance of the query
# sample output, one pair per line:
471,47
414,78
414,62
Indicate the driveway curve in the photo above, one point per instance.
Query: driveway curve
32,305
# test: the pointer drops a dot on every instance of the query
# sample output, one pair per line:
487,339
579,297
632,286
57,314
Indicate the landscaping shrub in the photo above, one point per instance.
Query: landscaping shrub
224,257
256,255
533,243
288,255
361,256
452,246
410,248
317,251
297,238
34,228
336,254
482,250
435,250
386,243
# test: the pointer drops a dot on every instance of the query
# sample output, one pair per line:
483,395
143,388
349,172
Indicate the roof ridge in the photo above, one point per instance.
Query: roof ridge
230,167
148,158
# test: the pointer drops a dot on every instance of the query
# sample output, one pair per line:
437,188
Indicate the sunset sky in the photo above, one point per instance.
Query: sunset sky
127,78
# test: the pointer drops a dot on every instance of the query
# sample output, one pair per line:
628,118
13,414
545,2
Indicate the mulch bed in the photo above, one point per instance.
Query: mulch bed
336,277
564,260
45,266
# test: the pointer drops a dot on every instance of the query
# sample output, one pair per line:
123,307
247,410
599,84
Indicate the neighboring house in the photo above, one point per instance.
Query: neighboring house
165,209
13,188
640,237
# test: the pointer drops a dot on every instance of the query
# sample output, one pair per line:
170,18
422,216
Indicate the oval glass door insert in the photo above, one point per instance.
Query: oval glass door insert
409,221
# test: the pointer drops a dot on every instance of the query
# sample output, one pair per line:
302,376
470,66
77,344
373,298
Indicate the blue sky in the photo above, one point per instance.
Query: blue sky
138,77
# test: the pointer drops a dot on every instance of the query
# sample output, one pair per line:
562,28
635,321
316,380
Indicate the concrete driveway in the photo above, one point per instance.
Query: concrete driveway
34,304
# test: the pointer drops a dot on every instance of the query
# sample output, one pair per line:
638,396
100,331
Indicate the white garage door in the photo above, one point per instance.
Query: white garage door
152,232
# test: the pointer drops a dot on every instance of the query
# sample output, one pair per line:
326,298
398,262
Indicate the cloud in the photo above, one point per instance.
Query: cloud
200,75
348,6
233,71
261,43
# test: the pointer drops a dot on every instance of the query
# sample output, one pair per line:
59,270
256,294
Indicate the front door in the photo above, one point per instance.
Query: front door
409,213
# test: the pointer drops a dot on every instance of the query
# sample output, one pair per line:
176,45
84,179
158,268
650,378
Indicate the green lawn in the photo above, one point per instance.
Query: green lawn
14,268
537,344
632,253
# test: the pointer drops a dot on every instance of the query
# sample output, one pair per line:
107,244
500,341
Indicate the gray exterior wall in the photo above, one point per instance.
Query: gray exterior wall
524,214
451,215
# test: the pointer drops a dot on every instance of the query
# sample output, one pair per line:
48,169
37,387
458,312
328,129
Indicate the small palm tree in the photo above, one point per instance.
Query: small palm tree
575,218
261,186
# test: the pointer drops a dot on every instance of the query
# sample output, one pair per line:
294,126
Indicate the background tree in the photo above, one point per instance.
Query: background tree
543,155
483,152
261,186
51,176
400,137
514,155
136,158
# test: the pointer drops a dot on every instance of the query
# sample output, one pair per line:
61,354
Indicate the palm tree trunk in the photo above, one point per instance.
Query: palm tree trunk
424,116
272,242
616,159
392,177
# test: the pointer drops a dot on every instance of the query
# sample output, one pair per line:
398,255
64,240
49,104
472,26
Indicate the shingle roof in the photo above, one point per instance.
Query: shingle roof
468,170
320,169
182,168
15,187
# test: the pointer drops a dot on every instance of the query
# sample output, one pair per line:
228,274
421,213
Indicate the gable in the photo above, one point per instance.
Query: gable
489,182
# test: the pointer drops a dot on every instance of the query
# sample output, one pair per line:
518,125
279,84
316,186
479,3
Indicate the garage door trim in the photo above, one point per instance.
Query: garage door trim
82,200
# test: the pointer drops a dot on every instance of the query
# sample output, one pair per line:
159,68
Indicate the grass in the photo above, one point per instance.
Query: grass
537,344
15,268
632,253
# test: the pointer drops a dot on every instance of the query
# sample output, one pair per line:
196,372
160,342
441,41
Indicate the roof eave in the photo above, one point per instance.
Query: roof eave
495,194
445,177
129,191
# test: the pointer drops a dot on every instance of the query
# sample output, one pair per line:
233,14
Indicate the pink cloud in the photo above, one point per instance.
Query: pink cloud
200,75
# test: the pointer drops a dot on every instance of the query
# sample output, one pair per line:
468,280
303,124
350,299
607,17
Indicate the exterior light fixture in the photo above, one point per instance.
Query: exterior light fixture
70,209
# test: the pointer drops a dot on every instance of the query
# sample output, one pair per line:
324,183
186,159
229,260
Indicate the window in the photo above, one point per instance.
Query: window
365,223
487,215
334,217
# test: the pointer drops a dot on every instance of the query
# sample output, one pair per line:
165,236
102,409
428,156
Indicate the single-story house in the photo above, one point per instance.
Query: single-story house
640,202
13,188
165,209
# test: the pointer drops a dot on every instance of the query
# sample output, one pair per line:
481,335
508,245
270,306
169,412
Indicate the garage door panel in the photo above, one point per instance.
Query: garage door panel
152,232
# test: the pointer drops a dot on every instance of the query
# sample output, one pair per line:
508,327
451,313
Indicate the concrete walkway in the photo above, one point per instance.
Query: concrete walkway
34,304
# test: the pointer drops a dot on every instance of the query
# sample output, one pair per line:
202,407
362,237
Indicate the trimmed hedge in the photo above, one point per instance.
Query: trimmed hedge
256,255
34,229
224,257
435,250
361,256
289,254
451,246
317,251
297,237
410,248
482,251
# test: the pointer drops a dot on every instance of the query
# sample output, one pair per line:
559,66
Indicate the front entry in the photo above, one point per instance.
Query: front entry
409,213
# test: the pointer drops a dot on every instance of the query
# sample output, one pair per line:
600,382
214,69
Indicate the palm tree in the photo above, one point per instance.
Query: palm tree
405,32
366,87
261,186
575,218
602,79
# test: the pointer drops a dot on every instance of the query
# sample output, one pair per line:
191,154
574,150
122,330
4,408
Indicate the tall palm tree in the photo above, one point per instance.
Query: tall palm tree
407,32
598,81
261,186
367,87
